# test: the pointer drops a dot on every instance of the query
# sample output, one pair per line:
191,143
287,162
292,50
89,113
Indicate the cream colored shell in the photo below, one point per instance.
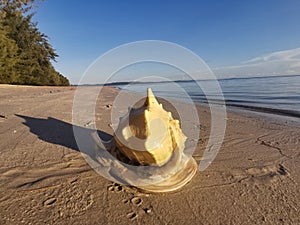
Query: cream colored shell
149,134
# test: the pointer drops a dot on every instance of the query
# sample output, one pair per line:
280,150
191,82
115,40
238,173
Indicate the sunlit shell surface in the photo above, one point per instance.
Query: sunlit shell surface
149,135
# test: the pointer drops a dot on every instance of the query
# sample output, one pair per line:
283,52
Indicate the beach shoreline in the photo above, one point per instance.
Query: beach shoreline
254,178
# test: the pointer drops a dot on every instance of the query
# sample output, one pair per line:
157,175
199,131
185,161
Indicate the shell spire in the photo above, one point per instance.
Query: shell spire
150,100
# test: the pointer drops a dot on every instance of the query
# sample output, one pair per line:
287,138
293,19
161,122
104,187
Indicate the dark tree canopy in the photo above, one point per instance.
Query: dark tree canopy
25,52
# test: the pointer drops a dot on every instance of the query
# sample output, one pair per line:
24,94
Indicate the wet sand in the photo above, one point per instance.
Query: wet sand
45,180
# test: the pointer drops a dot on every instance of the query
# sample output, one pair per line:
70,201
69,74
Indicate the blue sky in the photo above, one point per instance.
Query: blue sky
235,38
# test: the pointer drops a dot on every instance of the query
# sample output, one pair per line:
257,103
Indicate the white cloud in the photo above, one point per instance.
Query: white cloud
285,62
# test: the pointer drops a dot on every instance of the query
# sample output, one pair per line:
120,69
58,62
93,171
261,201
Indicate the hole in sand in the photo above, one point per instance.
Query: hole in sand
50,201
136,201
131,215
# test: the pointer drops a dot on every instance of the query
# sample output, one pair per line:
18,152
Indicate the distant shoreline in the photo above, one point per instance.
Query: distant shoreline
180,81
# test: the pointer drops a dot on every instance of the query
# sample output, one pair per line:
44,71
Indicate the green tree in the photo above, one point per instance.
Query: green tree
29,49
8,57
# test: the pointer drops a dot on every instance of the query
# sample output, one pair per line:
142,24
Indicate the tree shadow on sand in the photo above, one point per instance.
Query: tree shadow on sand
58,132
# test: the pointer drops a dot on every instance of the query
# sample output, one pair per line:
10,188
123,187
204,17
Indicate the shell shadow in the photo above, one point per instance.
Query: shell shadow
58,132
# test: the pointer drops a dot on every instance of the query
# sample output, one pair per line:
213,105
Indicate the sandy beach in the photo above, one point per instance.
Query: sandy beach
255,178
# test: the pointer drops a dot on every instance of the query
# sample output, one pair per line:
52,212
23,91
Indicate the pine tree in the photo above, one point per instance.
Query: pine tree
8,57
25,51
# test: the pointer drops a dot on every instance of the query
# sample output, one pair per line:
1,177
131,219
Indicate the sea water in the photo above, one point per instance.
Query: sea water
276,94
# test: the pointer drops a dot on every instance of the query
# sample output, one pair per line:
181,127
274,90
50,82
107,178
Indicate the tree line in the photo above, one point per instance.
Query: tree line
25,53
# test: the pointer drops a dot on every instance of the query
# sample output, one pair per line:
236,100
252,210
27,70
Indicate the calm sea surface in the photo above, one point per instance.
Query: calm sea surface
279,95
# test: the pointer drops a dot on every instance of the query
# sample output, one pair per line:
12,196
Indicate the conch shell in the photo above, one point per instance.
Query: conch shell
149,135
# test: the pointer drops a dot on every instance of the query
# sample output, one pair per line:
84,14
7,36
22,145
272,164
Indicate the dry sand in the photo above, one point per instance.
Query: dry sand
45,180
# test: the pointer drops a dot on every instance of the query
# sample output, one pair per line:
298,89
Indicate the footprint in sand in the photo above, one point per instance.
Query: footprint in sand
135,200
268,173
71,199
115,188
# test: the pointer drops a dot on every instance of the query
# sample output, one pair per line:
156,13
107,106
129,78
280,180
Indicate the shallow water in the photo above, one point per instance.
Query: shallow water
279,95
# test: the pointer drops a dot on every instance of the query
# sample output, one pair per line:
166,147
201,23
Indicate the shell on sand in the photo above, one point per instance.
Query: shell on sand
149,134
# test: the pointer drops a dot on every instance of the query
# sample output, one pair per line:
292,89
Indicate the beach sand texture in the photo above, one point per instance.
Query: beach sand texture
45,180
